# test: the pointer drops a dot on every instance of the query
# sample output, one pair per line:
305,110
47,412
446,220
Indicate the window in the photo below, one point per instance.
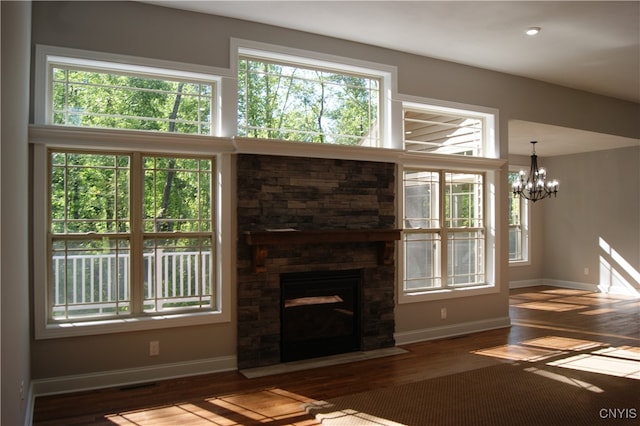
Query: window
294,101
440,131
444,237
128,225
129,234
108,99
518,225
448,203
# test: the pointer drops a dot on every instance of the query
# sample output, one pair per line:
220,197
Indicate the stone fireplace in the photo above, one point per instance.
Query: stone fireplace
298,215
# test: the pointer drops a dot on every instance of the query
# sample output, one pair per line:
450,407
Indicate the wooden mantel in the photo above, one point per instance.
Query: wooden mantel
260,240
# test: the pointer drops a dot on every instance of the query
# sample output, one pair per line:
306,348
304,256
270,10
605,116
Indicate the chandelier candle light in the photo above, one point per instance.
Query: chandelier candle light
534,186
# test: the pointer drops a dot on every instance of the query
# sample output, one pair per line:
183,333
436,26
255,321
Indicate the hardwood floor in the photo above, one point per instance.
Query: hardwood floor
545,322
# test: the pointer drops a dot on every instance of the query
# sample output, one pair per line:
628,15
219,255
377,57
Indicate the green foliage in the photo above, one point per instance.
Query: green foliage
109,100
277,101
89,193
177,194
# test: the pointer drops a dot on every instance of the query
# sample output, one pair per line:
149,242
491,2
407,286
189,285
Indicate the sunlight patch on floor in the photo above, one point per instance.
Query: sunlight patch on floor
350,417
625,352
564,379
598,311
518,353
549,306
563,343
275,406
594,363
540,348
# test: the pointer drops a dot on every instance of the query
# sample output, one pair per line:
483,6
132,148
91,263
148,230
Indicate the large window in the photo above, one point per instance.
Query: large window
441,131
129,234
296,102
444,236
95,97
129,220
518,225
448,201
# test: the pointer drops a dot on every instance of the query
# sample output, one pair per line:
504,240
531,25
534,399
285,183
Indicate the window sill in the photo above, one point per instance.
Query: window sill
449,293
108,326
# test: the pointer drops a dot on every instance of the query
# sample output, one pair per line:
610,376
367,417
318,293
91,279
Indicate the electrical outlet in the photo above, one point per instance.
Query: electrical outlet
154,348
21,391
443,313
586,271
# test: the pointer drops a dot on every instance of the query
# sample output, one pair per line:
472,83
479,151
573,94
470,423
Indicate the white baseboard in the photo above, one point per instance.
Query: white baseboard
554,283
525,283
433,333
131,376
571,284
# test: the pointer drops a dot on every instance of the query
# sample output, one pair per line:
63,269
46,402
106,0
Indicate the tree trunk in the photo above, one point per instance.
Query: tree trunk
166,193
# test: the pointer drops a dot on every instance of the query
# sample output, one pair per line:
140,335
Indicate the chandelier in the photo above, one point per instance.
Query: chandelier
534,186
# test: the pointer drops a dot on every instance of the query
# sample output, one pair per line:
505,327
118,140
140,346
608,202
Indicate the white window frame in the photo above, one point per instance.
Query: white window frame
44,135
389,115
525,222
223,80
490,165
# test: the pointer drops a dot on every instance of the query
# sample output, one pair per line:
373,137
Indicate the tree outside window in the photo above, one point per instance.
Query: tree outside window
296,103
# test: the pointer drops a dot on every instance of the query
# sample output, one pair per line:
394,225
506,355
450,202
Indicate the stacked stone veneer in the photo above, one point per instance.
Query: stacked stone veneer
311,194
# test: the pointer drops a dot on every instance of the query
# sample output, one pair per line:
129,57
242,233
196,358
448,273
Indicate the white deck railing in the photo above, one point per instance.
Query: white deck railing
101,281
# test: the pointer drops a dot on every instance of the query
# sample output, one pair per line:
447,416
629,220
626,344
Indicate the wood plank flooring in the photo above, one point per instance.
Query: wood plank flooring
545,321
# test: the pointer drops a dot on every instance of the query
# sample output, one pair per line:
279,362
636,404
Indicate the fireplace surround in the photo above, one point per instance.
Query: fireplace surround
338,215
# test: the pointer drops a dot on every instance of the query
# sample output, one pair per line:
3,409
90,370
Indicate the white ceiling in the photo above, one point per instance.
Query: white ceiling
587,45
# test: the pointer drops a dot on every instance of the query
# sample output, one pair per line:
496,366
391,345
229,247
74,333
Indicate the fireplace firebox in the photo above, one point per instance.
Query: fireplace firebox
320,313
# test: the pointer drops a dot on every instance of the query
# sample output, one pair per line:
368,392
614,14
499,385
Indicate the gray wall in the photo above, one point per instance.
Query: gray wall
14,267
596,218
151,31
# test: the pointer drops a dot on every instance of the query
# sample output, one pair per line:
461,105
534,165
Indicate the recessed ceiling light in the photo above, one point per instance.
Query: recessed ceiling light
532,31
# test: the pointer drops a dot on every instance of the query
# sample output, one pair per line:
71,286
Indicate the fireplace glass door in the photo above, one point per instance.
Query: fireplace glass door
320,313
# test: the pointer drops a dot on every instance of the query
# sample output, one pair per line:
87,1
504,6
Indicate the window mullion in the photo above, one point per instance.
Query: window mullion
136,201
444,235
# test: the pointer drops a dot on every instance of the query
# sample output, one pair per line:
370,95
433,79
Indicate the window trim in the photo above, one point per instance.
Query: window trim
490,165
386,73
492,268
443,230
222,80
44,137
488,115
527,213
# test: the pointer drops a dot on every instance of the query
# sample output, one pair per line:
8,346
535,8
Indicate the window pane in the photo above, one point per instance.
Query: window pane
90,277
94,98
463,201
437,132
89,193
177,194
178,274
465,258
515,243
517,224
422,261
422,189
290,102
